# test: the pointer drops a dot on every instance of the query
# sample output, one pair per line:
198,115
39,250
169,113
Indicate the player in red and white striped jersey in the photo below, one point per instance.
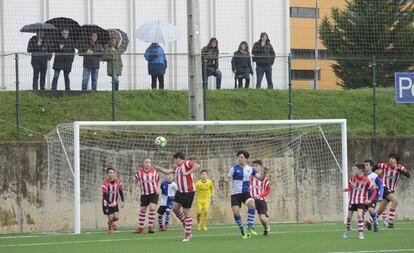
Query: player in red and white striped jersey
358,198
186,188
259,189
148,179
111,191
390,175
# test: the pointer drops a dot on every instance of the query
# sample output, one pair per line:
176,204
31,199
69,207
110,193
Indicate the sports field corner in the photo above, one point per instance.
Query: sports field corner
300,238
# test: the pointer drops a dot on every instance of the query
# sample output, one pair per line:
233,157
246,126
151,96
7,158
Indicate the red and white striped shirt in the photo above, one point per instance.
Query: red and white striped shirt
358,187
185,183
112,189
390,175
259,188
149,180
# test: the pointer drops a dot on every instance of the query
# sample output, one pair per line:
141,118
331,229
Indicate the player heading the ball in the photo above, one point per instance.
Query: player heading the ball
184,197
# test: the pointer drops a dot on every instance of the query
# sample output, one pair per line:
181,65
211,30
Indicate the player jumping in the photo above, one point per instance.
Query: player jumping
390,175
259,189
185,195
149,179
111,190
168,190
204,198
239,175
376,181
358,198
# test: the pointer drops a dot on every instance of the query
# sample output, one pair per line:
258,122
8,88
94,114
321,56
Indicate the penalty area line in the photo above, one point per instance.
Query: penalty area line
375,251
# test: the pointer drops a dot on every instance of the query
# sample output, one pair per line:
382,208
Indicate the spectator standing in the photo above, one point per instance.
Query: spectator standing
157,64
92,53
64,55
264,56
113,56
39,47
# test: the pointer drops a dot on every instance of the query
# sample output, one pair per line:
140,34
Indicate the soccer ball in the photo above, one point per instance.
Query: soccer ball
160,141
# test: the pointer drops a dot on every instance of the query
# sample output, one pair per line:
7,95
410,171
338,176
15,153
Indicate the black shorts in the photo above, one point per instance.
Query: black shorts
355,207
237,199
386,193
147,199
184,198
108,210
162,209
261,206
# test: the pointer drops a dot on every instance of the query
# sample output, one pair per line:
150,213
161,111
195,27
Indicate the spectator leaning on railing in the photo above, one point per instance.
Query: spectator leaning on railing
92,53
64,50
241,64
210,60
264,56
40,48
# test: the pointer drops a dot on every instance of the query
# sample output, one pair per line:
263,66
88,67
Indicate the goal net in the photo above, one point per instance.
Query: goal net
306,161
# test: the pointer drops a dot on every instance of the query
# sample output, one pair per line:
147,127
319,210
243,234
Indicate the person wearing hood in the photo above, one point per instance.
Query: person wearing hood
157,64
264,56
241,65
210,61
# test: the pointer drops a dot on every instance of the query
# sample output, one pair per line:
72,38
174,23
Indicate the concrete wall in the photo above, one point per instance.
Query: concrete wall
35,199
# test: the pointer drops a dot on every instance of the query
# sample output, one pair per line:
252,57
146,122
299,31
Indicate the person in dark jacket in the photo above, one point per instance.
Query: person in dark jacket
241,64
40,48
210,62
157,64
113,57
92,53
64,55
264,56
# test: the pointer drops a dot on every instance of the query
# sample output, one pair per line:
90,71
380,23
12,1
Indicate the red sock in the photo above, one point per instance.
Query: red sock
361,225
188,224
180,216
141,220
391,215
151,217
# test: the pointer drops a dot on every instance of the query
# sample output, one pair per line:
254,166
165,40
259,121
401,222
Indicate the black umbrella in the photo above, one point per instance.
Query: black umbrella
121,37
85,32
36,27
61,24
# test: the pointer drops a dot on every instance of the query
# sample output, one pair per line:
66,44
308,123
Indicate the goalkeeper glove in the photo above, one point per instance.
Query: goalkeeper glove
211,200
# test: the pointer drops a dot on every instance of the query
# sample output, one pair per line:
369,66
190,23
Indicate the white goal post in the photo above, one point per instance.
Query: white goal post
340,164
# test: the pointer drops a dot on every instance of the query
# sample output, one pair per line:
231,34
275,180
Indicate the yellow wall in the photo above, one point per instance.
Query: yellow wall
303,37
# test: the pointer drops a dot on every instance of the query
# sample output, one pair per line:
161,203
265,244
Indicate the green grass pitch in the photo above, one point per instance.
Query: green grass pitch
301,238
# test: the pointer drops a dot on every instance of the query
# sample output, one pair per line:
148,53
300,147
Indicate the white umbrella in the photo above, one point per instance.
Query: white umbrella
158,31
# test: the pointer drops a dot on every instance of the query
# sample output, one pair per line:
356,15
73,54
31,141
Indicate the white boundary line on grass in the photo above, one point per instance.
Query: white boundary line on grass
376,251
178,237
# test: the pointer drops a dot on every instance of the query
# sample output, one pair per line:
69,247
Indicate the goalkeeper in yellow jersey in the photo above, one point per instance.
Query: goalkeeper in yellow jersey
204,198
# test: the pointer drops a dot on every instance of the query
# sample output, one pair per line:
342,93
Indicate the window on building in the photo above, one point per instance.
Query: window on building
302,74
309,53
303,12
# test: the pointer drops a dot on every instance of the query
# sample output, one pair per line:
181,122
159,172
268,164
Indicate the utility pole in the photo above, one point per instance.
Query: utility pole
195,87
316,66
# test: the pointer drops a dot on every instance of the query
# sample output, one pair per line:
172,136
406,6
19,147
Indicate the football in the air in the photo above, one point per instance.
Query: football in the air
160,141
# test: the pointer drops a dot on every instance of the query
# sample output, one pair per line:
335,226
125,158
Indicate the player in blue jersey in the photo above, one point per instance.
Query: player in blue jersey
239,176
168,190
376,181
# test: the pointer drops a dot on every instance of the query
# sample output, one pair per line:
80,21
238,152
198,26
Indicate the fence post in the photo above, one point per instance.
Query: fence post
290,104
205,85
113,87
374,95
17,95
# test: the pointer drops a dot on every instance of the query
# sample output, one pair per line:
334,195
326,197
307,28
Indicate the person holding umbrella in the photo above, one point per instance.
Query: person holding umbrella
113,56
39,47
64,49
157,64
92,53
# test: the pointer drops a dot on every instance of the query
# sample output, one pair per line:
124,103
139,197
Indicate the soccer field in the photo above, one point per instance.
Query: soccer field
320,237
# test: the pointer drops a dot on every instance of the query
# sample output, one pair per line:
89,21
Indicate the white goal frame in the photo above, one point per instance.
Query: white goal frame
76,147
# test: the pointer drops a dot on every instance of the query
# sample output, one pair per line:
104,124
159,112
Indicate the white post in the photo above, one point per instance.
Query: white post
76,176
344,167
